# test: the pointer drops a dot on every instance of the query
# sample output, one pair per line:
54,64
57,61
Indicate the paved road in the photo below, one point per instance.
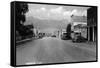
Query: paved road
53,50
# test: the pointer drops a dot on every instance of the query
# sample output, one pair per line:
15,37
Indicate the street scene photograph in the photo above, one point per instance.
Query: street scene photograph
48,33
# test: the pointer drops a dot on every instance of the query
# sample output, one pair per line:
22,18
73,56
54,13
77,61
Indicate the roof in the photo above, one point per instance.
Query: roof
79,19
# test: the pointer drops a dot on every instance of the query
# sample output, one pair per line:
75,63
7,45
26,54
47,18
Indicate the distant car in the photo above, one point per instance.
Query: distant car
40,35
78,38
53,36
65,36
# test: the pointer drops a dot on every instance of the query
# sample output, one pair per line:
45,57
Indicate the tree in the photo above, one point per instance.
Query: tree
68,30
20,10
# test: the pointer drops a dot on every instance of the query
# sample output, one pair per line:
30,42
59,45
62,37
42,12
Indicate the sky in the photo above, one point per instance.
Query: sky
51,17
55,12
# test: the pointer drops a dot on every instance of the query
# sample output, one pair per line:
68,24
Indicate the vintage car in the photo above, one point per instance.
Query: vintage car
78,38
53,36
65,36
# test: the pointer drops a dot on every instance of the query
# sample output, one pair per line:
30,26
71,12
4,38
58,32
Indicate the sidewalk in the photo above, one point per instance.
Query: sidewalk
87,45
25,40
90,44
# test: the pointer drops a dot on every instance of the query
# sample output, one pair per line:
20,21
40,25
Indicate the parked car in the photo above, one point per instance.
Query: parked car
65,36
53,36
41,35
78,38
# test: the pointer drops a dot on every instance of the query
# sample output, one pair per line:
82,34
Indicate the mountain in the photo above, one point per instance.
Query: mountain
45,24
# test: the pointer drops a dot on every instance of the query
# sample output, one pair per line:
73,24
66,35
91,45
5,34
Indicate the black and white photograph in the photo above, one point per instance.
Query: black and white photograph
53,33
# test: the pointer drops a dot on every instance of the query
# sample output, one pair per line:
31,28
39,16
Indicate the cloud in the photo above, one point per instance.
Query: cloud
58,13
43,9
74,11
57,10
67,13
79,13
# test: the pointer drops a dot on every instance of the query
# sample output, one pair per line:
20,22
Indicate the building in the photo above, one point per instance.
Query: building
92,24
79,24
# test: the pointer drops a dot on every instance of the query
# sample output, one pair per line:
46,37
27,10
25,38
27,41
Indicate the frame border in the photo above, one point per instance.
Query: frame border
13,36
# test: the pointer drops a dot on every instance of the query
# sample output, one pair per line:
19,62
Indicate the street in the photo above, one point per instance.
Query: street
53,50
